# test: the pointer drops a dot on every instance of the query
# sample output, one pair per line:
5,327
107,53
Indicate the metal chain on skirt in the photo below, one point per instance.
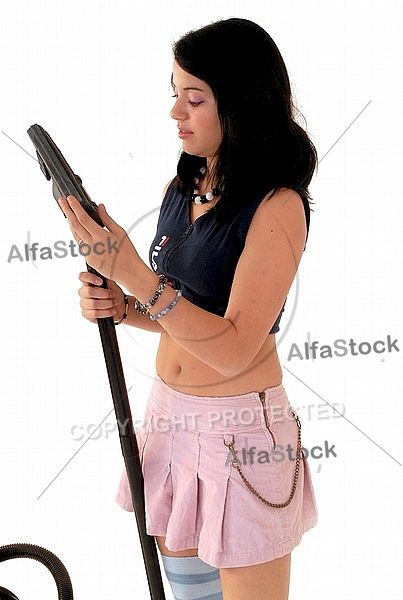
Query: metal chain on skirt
236,465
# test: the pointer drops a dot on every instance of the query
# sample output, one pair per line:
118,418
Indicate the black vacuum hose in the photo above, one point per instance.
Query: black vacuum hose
47,558
5,594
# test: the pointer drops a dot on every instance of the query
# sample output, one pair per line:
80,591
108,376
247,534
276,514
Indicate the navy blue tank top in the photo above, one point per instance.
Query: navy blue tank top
200,258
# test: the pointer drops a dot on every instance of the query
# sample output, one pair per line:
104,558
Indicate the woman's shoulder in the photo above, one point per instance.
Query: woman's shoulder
266,205
281,213
282,203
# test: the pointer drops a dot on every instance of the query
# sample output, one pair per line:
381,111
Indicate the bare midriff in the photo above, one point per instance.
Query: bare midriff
185,373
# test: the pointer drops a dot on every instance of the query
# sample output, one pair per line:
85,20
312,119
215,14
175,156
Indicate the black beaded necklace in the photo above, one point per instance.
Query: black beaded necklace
204,198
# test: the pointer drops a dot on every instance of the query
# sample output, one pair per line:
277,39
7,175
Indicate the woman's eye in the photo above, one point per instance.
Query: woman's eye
192,103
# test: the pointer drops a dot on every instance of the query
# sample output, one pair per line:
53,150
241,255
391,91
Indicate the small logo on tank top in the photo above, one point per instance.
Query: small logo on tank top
157,249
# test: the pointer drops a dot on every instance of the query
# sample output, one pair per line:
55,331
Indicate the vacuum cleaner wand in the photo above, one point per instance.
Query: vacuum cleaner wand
55,167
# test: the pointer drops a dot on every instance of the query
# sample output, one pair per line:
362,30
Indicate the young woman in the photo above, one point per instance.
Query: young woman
228,491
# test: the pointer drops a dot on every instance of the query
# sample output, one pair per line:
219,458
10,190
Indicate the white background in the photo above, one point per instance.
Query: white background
96,76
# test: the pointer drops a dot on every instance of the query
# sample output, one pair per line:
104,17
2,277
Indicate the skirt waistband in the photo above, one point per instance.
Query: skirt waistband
218,414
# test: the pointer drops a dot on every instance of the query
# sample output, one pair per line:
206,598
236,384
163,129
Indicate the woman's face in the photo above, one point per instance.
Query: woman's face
195,111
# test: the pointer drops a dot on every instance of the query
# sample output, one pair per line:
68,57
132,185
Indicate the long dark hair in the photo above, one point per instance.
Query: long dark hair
263,146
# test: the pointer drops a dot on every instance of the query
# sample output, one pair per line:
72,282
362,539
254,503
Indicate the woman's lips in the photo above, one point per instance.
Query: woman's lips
184,134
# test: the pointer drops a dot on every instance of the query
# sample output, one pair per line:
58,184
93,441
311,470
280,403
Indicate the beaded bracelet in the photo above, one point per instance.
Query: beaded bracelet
126,299
168,308
143,309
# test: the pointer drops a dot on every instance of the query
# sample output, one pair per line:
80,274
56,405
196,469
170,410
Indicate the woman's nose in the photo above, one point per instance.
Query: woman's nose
178,111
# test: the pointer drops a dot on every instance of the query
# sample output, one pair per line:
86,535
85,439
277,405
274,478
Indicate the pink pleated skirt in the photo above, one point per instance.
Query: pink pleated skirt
195,495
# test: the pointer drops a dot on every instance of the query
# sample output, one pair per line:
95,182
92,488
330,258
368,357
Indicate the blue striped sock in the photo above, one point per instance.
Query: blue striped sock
192,579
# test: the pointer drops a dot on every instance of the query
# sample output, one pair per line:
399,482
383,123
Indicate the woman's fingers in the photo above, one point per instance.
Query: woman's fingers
98,302
107,220
95,293
98,307
81,221
79,231
90,278
110,250
91,287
